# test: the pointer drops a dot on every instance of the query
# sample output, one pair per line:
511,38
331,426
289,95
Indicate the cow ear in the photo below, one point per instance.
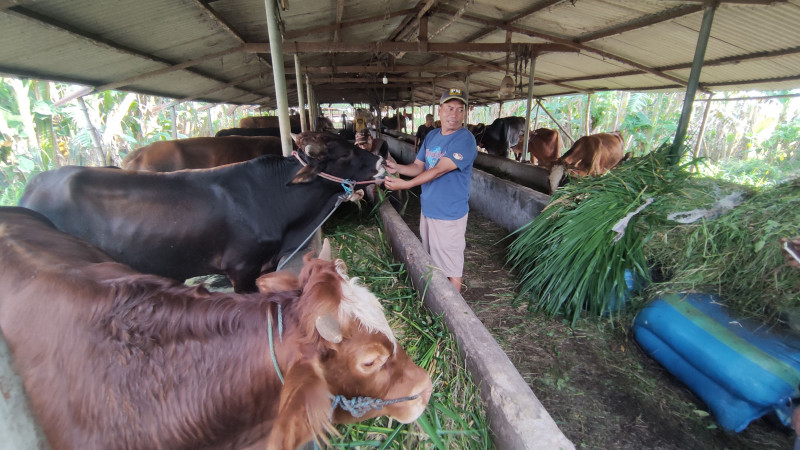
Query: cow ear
325,252
277,282
304,412
305,175
328,327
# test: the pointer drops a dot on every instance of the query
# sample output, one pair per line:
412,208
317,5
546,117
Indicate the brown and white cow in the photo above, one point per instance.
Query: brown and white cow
544,145
238,220
200,153
595,154
114,359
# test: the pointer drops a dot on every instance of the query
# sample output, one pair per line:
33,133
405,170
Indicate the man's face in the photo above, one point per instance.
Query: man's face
452,114
429,121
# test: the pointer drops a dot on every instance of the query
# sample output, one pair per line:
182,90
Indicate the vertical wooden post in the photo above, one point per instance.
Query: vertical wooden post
527,134
703,126
694,81
279,77
301,101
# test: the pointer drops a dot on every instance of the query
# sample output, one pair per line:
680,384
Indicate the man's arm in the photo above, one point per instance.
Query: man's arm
423,176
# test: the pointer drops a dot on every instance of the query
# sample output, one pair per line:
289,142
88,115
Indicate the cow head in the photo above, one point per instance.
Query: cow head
333,155
344,348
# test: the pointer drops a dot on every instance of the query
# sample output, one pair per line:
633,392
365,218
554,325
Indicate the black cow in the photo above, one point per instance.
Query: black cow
396,122
269,131
500,136
238,219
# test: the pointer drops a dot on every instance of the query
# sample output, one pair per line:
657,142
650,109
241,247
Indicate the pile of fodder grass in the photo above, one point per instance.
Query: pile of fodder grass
737,255
454,417
570,260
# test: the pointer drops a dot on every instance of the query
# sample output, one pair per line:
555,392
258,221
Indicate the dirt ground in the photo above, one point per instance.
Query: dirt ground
601,389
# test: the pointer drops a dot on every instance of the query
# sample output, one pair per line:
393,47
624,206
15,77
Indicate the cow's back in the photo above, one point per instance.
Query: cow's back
146,220
160,156
201,152
594,154
259,122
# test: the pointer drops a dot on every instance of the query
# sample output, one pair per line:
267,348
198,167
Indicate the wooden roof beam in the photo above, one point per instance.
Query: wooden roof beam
517,17
294,34
567,42
410,47
395,68
41,20
640,22
500,68
337,32
735,59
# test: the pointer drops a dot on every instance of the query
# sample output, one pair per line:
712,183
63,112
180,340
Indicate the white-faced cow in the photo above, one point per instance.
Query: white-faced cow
114,359
238,220
595,154
200,153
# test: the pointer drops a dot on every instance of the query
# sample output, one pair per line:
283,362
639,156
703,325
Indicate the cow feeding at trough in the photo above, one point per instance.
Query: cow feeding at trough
590,155
237,220
112,358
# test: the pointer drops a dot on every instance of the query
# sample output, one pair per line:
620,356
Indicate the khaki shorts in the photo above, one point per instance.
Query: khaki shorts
445,241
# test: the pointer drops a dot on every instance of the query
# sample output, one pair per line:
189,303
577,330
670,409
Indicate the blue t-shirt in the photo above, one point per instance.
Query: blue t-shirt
447,197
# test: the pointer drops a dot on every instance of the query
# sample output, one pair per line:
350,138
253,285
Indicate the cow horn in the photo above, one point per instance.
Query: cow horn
328,328
325,252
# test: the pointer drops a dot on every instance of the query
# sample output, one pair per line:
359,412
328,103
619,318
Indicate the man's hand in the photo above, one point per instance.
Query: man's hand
391,166
395,183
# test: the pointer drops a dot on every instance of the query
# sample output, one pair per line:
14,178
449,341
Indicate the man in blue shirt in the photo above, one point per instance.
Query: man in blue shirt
443,168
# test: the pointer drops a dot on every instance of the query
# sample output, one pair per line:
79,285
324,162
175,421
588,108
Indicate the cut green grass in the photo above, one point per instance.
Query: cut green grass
454,417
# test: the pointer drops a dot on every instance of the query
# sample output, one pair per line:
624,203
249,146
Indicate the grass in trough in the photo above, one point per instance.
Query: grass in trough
455,417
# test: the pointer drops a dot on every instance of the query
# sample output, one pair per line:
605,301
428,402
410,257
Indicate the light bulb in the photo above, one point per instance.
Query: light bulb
385,80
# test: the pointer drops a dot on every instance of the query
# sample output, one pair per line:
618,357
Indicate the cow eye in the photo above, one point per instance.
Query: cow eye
372,364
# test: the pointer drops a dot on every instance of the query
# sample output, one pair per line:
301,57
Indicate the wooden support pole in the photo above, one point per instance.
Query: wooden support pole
301,101
694,81
279,77
527,134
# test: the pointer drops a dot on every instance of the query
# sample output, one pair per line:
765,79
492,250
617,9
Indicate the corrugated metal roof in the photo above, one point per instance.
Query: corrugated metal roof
217,50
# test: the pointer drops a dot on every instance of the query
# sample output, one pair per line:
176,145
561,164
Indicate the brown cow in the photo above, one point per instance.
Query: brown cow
200,152
323,123
114,359
595,154
544,145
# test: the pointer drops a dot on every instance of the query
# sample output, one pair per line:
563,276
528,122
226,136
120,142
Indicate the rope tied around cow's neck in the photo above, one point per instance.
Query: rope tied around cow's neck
358,406
343,181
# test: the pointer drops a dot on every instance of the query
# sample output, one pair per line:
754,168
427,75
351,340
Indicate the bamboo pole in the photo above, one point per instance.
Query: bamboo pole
279,76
